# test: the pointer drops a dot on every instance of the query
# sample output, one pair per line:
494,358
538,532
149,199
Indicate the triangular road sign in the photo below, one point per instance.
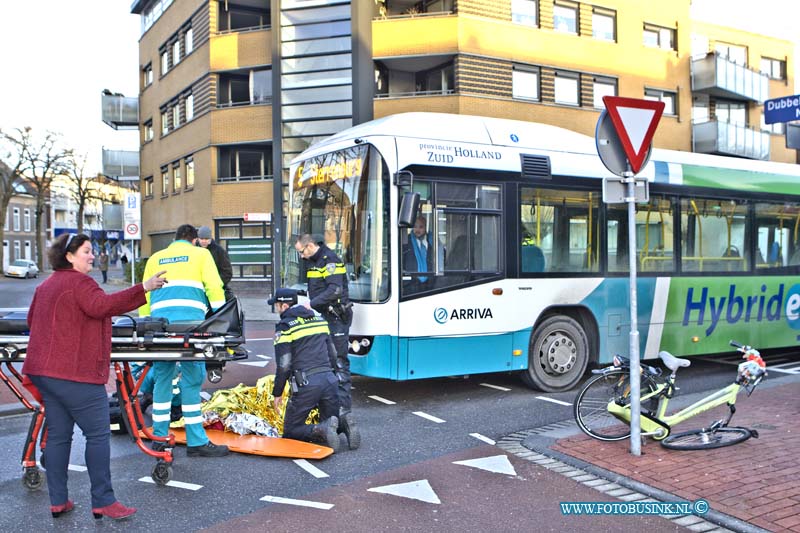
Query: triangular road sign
635,122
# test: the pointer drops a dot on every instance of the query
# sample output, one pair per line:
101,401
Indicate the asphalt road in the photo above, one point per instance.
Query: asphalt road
413,435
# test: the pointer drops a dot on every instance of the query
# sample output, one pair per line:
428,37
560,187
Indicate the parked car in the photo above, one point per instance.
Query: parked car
22,268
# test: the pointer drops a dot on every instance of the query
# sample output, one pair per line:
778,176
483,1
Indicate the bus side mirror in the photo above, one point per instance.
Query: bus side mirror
409,206
403,178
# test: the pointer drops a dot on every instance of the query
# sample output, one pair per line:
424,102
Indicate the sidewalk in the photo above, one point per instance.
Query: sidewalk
748,486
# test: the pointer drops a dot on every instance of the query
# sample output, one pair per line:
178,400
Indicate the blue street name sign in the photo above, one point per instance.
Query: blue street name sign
782,109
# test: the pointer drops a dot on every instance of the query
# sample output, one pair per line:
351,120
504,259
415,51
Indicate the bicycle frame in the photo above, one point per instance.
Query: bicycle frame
658,426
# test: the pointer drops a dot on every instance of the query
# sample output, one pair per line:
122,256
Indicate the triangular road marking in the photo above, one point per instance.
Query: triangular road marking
497,463
416,490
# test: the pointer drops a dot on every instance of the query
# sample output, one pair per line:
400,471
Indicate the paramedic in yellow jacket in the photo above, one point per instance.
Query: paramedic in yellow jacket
194,284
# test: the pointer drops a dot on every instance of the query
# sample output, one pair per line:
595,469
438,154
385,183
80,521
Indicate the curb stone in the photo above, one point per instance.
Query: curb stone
534,445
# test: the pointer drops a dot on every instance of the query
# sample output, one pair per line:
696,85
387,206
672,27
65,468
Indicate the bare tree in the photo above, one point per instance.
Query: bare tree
83,188
11,164
43,160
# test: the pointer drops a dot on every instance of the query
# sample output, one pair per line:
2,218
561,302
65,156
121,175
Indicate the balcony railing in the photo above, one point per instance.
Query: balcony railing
121,164
440,92
120,111
715,137
718,76
235,179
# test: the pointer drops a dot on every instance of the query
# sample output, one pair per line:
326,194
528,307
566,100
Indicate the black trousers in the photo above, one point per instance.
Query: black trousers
321,391
340,332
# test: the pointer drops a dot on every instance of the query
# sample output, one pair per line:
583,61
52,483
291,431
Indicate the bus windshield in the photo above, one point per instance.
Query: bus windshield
342,199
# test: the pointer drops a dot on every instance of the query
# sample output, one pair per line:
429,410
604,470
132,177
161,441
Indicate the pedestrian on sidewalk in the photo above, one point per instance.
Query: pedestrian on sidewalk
221,258
104,265
68,360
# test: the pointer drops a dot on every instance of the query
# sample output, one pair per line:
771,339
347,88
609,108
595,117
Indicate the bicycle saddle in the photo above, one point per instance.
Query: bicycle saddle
672,362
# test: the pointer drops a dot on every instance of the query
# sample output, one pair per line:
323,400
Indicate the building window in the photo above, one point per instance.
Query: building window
177,180
188,40
731,52
604,24
164,61
17,253
188,104
148,187
603,87
565,18
164,122
189,173
16,219
669,99
775,129
525,82
147,75
247,162
233,17
566,88
176,115
261,86
774,68
731,112
148,131
658,37
525,12
26,219
164,181
176,52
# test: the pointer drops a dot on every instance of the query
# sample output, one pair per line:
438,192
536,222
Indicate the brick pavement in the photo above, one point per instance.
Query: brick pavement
755,481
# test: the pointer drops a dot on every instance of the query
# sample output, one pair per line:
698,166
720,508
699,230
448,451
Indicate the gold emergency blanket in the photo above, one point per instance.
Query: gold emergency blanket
256,400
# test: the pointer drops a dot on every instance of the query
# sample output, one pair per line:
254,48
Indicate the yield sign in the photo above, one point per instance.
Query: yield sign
635,122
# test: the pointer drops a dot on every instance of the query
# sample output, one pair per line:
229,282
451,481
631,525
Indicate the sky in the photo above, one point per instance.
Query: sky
58,56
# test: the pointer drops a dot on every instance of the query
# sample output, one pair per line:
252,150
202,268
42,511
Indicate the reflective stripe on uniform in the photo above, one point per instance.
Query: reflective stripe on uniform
160,418
306,330
192,420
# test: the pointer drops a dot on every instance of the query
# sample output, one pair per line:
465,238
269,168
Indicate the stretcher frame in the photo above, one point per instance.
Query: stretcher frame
213,341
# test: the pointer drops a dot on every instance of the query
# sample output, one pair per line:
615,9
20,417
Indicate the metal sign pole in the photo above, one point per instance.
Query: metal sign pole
636,439
133,263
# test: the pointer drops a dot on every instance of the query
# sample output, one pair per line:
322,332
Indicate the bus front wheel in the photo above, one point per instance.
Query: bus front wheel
557,355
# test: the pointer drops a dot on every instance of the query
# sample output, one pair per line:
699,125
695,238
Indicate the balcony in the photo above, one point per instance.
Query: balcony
736,140
121,164
718,76
120,111
391,9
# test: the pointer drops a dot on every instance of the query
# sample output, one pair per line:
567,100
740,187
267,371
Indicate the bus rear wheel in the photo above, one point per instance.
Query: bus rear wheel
557,355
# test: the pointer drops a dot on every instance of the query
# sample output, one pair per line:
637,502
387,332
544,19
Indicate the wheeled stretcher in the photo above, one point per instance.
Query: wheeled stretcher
213,341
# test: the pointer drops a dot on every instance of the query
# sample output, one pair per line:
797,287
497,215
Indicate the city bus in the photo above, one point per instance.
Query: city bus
526,269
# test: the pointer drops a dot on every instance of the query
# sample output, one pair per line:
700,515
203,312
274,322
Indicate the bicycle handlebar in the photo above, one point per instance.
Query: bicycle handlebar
736,344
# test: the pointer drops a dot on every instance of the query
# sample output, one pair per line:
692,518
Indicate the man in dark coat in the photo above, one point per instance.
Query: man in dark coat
220,256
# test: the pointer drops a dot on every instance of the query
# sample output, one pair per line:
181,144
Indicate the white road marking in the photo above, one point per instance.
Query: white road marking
311,469
301,503
76,468
260,364
204,395
498,387
382,400
487,440
176,484
497,463
262,356
416,490
261,339
559,402
429,417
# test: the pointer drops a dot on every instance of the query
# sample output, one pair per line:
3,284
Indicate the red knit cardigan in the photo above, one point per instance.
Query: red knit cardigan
70,322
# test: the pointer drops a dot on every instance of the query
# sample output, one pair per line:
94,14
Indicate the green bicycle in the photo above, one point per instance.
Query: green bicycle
602,408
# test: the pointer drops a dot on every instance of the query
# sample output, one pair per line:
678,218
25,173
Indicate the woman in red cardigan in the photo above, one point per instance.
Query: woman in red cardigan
68,359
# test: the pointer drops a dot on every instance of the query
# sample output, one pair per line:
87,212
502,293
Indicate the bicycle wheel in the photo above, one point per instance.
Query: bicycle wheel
591,405
706,439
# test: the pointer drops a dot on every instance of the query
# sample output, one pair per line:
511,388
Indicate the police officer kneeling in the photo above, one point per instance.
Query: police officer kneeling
305,357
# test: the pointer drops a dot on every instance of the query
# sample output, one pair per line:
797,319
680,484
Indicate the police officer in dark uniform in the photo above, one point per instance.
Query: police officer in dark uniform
305,357
327,289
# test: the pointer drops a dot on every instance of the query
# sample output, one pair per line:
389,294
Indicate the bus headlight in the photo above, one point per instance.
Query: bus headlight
360,345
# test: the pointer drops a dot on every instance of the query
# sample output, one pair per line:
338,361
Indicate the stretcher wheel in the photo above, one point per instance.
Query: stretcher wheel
162,473
214,375
33,478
